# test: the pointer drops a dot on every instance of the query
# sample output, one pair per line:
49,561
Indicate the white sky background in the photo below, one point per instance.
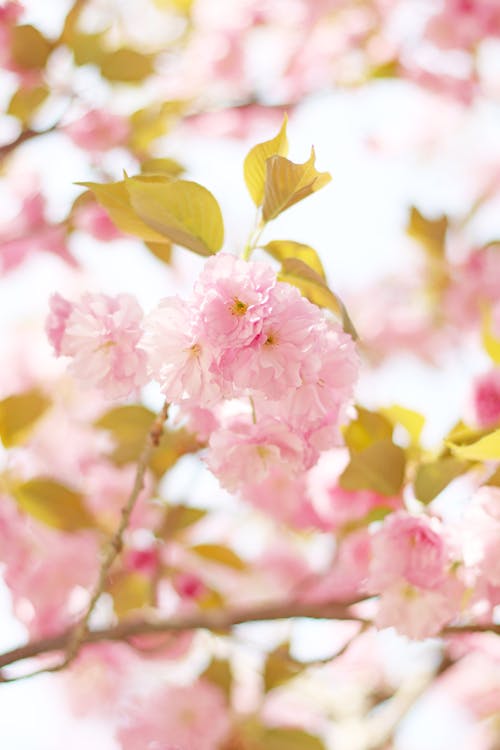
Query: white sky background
356,224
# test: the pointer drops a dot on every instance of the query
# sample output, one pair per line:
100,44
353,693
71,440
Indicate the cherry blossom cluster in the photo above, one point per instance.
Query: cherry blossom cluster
269,370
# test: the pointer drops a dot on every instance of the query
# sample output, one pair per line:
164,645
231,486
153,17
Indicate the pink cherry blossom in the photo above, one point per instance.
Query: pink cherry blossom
101,335
486,398
92,218
419,613
243,452
233,297
176,718
98,130
407,548
274,362
178,356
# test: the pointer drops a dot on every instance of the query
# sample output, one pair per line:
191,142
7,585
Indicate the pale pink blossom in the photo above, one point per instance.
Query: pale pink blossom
273,363
416,612
98,130
176,718
347,507
284,497
42,568
107,488
93,219
407,548
462,24
486,398
348,575
178,356
97,680
243,453
233,297
29,233
101,334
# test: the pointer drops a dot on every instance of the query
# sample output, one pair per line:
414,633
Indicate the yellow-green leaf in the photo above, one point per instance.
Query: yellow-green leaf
152,122
369,427
130,591
219,554
288,183
412,421
280,667
254,167
288,739
485,449
313,286
113,196
28,47
432,477
168,167
379,467
161,250
491,343
431,233
26,101
129,427
219,673
182,211
54,504
86,48
283,249
179,518
18,415
126,65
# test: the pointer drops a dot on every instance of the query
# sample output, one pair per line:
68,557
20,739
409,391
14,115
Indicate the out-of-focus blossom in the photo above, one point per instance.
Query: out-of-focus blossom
188,718
101,334
98,130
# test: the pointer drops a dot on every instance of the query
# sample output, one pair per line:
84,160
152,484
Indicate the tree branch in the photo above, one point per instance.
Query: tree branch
24,135
116,543
216,620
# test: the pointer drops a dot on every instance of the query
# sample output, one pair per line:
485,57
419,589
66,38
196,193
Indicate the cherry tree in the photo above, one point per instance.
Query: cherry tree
179,466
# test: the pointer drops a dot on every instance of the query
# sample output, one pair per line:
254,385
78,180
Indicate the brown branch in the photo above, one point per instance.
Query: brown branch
216,620
24,135
116,543
212,620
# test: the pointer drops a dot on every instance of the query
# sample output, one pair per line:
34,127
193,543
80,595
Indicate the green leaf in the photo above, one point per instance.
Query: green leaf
28,47
130,591
283,249
288,183
280,667
254,167
313,286
432,477
179,518
490,342
126,65
288,739
19,413
431,233
54,504
183,211
219,673
115,199
380,467
26,101
219,554
369,427
485,449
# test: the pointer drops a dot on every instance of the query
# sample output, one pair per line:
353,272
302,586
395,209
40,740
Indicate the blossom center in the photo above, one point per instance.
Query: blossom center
238,307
